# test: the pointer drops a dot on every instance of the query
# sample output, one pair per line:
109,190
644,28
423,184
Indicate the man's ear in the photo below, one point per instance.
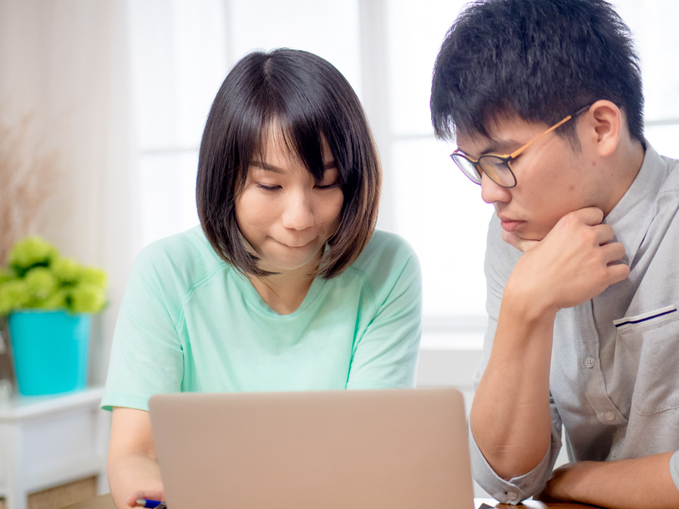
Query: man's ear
603,122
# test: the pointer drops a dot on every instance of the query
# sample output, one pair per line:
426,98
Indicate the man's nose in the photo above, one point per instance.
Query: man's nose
492,192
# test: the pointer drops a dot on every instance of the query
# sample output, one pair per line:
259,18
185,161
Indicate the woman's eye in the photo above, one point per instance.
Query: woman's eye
267,187
327,186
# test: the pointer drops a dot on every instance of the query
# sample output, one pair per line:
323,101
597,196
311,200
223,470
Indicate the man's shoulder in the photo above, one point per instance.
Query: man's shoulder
671,183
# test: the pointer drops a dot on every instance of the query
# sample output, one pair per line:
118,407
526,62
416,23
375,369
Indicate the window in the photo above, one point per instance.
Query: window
182,50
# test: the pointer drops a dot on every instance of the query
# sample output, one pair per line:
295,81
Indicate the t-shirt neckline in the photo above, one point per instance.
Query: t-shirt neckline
253,297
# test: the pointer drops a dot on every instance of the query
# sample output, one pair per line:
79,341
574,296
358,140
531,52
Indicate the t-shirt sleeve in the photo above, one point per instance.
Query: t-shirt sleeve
499,263
146,355
385,354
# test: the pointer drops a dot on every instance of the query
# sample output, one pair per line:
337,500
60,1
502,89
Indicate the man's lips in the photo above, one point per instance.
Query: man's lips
510,225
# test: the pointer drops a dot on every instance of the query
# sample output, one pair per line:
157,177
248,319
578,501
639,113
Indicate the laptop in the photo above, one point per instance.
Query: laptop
376,449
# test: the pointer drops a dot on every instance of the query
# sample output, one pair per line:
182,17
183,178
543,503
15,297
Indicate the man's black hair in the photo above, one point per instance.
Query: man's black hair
540,59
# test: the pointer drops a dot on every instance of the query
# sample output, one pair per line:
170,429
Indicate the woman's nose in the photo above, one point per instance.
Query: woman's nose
298,213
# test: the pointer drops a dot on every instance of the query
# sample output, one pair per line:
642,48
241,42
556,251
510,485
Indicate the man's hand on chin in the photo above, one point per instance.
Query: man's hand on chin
524,245
514,240
576,261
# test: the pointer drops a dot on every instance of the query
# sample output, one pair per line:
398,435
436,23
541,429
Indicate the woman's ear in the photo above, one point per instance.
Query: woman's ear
604,127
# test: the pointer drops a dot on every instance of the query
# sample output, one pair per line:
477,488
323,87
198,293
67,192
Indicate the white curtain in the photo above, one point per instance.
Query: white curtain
65,63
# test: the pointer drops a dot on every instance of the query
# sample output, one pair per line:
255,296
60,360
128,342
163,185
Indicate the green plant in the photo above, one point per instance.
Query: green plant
38,277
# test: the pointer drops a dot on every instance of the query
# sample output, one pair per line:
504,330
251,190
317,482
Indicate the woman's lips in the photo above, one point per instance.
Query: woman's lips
510,225
297,246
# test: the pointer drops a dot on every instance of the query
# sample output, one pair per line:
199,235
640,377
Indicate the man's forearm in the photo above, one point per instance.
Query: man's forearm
510,416
624,484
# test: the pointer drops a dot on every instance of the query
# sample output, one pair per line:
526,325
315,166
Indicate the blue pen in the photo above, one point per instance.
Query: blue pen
157,504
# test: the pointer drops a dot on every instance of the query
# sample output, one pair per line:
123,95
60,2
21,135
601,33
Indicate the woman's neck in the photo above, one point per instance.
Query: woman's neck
284,292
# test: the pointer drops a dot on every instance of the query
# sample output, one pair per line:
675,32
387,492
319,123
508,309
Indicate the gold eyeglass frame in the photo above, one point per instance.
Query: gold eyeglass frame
506,159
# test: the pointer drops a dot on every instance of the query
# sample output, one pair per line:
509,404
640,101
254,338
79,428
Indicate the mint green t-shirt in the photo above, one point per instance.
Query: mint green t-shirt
189,322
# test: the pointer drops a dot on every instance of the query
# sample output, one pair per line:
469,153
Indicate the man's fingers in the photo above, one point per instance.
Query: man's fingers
527,245
613,252
522,245
604,233
590,216
617,272
510,239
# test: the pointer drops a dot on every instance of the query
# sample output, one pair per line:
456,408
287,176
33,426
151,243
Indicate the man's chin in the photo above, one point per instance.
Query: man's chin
531,238
524,236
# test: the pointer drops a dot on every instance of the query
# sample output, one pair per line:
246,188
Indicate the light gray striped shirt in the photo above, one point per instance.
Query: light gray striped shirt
614,377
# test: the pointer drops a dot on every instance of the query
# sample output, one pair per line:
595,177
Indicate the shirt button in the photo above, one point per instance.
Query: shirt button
589,362
609,416
512,496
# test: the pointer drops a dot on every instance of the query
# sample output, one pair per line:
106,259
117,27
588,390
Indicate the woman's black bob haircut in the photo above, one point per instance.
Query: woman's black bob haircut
309,101
540,59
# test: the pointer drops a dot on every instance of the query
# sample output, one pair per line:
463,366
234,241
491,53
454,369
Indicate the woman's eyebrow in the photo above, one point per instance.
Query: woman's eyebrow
270,167
266,166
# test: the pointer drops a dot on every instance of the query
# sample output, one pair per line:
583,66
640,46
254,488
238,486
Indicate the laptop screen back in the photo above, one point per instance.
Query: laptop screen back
341,449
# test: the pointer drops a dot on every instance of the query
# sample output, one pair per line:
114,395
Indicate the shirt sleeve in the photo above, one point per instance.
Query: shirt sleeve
146,355
499,263
385,355
674,468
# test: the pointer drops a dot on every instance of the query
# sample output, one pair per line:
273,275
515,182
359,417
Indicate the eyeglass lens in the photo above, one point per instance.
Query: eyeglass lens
467,167
496,169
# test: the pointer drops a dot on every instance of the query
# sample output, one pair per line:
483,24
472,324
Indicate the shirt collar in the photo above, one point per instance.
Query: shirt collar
633,214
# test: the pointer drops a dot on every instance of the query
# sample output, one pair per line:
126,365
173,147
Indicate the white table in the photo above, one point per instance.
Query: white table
46,441
106,502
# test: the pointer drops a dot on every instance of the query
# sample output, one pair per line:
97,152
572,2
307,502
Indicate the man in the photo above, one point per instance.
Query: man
544,100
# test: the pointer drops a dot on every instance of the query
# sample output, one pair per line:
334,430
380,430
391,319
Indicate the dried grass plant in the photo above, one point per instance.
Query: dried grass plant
27,170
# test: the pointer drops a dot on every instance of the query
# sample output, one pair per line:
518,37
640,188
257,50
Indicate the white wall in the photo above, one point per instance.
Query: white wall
66,64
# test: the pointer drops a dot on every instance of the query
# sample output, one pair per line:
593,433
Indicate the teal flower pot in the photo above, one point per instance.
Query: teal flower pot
50,351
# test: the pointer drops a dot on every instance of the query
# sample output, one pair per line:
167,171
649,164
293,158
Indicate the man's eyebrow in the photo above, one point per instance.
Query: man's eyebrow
270,167
499,147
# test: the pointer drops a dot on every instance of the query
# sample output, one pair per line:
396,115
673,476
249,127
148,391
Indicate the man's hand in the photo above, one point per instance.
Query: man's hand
624,484
560,485
573,263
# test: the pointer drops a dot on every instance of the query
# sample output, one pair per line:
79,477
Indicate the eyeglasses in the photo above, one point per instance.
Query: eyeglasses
497,167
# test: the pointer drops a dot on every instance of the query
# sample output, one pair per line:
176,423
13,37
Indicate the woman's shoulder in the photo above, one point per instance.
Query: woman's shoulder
186,257
385,259
385,248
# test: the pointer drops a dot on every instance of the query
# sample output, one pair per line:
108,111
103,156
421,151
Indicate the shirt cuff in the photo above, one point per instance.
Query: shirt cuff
674,468
516,489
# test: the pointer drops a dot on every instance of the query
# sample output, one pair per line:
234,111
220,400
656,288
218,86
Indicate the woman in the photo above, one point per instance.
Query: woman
285,286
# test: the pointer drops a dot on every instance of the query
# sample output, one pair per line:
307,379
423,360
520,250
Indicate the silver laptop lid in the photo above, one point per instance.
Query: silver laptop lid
341,449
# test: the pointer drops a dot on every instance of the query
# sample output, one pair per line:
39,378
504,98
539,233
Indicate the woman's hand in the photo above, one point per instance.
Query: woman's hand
132,466
146,495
